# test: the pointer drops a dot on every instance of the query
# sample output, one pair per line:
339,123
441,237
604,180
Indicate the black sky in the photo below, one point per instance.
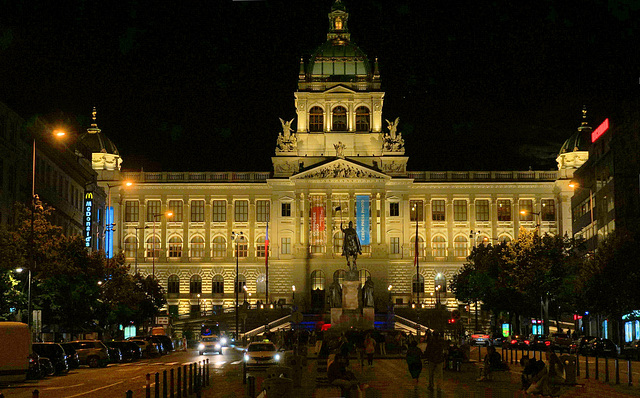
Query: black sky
195,86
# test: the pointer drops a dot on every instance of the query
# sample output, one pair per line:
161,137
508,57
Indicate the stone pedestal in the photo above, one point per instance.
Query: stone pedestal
350,295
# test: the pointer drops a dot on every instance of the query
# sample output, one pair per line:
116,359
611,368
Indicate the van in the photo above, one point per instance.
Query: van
15,347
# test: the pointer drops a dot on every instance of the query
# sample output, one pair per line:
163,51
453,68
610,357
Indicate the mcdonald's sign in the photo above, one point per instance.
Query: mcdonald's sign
88,218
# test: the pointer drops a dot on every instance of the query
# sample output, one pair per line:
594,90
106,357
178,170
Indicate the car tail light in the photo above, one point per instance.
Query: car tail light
527,342
514,341
547,343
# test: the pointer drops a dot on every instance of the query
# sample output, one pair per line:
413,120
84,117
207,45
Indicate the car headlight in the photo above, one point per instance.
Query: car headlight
218,346
223,341
276,357
246,358
200,346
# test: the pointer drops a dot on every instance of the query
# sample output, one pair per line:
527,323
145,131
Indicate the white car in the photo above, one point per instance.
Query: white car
209,344
262,353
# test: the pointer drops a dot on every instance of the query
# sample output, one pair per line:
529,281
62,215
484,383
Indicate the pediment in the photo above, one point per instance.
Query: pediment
340,169
340,89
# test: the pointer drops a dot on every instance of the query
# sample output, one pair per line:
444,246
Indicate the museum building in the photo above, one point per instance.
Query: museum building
338,160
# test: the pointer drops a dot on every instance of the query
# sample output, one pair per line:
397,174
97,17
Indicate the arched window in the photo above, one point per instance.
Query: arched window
483,240
420,246
153,247
316,119
504,239
197,247
242,282
242,247
339,275
317,280
219,247
261,284
339,119
439,246
418,284
260,247
195,284
440,283
173,284
363,274
362,118
338,239
217,284
175,247
130,247
460,247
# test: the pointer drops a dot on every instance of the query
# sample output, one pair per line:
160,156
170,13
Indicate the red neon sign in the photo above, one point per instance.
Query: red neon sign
600,130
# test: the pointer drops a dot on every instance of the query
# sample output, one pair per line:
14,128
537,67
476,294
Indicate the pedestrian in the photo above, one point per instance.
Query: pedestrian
382,339
414,361
369,348
435,360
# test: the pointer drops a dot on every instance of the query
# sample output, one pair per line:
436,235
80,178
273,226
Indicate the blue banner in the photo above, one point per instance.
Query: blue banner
362,218
108,241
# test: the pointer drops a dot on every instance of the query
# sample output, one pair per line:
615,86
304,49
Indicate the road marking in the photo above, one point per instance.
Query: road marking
97,389
171,363
59,388
236,362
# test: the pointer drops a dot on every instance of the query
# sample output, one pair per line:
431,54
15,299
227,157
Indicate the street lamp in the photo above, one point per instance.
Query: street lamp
236,237
155,248
293,288
525,212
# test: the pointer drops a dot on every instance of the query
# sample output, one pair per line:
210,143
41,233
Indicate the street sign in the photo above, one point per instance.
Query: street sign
296,317
162,320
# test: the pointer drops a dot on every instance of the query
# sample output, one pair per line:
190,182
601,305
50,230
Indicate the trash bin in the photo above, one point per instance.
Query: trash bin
569,362
295,362
278,387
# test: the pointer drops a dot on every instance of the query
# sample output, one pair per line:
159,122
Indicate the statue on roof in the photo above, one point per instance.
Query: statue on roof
286,128
339,147
392,141
287,141
393,127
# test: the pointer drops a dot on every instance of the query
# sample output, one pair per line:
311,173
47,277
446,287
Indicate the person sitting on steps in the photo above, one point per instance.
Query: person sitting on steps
492,362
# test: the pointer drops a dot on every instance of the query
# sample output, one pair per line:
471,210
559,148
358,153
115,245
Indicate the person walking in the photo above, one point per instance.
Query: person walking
435,359
369,348
414,361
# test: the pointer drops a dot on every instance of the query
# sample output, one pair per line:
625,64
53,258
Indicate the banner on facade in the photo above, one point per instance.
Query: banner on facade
362,218
108,235
318,226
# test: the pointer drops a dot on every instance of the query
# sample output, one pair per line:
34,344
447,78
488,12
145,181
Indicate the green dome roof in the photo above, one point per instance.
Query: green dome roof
581,139
338,58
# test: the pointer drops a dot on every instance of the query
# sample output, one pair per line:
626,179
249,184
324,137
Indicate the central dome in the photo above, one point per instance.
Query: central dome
338,59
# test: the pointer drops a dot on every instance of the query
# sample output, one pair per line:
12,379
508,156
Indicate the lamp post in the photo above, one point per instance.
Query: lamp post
525,212
293,289
153,259
417,259
235,237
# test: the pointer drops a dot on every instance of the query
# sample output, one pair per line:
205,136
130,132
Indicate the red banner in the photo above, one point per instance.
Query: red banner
318,225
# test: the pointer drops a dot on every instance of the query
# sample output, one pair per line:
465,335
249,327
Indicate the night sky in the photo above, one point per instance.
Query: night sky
199,86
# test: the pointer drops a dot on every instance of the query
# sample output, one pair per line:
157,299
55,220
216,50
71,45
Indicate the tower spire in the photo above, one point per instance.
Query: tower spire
338,23
94,125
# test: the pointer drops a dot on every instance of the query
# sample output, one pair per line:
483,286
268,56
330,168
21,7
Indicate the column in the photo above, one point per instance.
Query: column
304,206
251,233
142,235
207,228
296,213
373,202
493,216
383,217
329,224
230,219
186,218
161,229
450,224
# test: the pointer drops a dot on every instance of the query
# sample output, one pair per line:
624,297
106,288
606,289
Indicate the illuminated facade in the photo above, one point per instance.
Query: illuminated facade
340,156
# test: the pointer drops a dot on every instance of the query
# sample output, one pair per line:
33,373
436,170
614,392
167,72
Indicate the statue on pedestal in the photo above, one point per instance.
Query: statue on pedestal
367,293
351,245
335,294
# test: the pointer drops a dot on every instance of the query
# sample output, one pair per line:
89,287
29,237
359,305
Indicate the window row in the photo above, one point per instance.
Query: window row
439,245
197,247
217,284
339,119
218,210
482,210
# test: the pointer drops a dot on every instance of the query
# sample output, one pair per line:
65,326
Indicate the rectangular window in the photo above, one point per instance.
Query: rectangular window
394,245
197,211
416,209
394,209
548,210
262,210
504,210
153,208
131,211
438,210
482,210
459,210
526,210
241,210
175,206
219,211
286,210
285,245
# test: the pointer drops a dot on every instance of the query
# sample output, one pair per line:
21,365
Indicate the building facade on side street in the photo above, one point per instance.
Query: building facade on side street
338,160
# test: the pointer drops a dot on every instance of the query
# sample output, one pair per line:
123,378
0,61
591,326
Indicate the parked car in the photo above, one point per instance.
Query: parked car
72,356
46,367
581,345
136,351
55,353
631,350
518,342
604,348
148,348
35,371
92,352
480,338
540,342
561,342
209,344
115,355
167,344
126,348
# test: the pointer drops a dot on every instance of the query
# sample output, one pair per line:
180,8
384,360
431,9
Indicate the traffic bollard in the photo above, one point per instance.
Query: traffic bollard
190,378
606,369
617,371
156,389
128,394
148,386
208,373
171,383
164,383
36,394
586,366
630,376
597,366
179,384
251,386
184,381
244,372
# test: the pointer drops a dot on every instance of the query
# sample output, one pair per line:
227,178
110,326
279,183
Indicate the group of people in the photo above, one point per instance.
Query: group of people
435,354
540,377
